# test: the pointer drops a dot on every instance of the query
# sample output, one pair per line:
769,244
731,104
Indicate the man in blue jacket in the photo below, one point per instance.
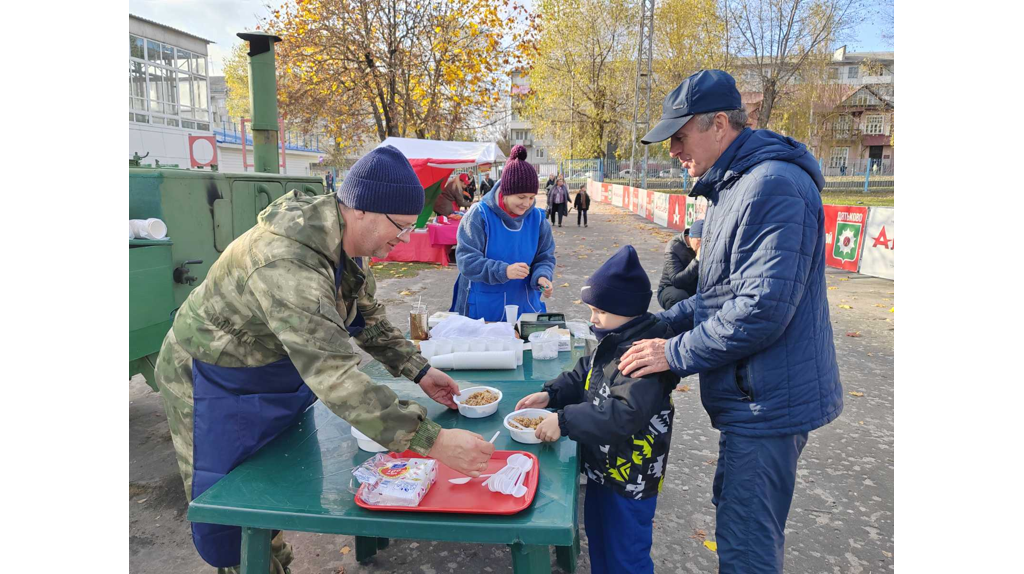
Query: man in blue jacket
757,330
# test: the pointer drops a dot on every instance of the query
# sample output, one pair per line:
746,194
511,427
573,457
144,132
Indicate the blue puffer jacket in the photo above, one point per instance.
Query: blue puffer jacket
758,329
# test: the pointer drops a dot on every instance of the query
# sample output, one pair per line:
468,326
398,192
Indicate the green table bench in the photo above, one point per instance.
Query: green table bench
302,481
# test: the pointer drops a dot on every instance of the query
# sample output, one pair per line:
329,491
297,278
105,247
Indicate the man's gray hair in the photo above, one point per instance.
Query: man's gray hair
737,119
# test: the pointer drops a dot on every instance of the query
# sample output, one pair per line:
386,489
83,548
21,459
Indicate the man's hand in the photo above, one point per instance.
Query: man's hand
534,401
643,358
462,451
546,285
517,271
548,430
440,387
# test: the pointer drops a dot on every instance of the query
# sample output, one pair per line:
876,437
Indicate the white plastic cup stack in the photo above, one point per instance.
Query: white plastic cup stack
511,314
151,228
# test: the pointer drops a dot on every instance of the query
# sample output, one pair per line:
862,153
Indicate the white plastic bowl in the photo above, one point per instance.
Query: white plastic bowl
480,412
524,436
544,349
365,443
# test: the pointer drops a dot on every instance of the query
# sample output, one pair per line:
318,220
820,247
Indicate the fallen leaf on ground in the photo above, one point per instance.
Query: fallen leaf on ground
856,394
558,276
844,278
711,545
143,500
565,284
577,302
853,334
406,293
345,550
683,388
879,305
845,307
833,288
893,310
699,535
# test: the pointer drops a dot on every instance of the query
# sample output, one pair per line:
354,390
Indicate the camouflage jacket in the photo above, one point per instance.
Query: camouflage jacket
272,294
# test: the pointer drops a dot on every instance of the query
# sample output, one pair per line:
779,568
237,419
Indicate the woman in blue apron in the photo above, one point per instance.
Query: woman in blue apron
505,253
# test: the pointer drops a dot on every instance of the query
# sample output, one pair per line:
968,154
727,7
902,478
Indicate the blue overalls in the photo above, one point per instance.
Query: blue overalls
511,246
238,410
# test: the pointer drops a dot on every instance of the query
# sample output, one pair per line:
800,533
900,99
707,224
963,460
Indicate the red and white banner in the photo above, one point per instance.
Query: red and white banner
677,212
617,195
877,257
635,202
844,232
649,205
606,193
661,209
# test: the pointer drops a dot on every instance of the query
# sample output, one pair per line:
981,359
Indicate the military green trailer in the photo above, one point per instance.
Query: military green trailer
204,211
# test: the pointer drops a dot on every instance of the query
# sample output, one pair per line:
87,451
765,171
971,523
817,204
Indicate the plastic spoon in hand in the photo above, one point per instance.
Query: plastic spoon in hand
466,479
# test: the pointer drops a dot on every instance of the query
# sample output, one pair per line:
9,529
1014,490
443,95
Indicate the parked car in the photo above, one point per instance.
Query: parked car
626,173
670,173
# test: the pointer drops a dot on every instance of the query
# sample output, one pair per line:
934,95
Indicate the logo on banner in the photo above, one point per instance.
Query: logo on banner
883,240
690,213
675,216
847,239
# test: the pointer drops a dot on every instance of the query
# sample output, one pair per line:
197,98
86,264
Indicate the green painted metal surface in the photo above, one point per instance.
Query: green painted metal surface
302,481
200,209
263,100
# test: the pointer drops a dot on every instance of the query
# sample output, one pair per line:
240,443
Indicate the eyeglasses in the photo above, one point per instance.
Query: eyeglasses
402,231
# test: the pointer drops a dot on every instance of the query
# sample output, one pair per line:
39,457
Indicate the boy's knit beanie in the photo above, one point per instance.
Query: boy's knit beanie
620,285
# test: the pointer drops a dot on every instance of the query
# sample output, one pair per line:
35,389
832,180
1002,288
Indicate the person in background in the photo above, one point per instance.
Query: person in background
758,329
622,425
486,185
679,274
551,182
582,204
469,185
329,181
451,196
558,198
505,252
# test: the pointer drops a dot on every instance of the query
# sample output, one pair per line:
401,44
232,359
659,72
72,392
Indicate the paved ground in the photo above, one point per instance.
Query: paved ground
842,515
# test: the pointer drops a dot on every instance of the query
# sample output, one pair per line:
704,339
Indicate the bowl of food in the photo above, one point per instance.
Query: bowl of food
366,443
523,423
478,402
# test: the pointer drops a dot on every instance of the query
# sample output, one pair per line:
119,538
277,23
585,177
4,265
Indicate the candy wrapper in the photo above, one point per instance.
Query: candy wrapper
390,481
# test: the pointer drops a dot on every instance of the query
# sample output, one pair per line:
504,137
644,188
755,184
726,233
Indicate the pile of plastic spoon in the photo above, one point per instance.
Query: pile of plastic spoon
509,480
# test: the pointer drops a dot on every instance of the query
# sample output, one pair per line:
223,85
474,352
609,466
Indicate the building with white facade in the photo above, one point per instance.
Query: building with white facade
521,132
172,96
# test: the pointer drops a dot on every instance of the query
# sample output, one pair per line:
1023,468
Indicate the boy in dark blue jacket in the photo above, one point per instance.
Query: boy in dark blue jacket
623,424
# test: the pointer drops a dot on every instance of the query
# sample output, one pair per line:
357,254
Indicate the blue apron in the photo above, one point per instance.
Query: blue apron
511,246
237,411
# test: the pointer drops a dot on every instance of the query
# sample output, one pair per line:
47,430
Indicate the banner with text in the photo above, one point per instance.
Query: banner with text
877,257
844,232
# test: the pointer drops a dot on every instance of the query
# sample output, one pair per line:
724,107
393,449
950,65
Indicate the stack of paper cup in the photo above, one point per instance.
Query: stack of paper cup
148,228
511,314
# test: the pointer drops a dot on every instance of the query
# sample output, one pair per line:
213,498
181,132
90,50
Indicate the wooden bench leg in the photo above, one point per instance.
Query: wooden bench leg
255,551
567,556
530,559
367,546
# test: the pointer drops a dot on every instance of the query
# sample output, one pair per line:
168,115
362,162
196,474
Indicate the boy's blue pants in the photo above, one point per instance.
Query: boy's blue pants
618,531
752,492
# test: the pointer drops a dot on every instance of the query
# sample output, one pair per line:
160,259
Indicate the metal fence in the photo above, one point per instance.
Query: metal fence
872,175
230,133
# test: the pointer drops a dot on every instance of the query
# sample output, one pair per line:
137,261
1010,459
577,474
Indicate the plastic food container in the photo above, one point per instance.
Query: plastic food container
524,436
474,412
544,349
365,443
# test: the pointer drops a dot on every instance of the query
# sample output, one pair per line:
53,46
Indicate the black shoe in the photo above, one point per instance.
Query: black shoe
584,225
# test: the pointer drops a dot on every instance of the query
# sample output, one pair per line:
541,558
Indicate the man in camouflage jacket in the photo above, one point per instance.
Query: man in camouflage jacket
291,295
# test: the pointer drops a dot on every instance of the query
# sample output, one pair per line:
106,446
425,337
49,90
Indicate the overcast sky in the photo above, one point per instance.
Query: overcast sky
220,20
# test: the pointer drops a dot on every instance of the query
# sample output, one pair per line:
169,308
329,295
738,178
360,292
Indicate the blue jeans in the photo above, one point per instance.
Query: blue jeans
618,531
752,492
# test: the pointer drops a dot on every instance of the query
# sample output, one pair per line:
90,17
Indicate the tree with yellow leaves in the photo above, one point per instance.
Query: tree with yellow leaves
371,69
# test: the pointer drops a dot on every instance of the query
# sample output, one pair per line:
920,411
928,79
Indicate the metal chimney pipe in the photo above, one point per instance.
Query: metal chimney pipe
263,100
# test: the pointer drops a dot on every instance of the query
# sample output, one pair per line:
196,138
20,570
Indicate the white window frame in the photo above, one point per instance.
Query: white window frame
852,72
842,126
874,124
177,118
837,159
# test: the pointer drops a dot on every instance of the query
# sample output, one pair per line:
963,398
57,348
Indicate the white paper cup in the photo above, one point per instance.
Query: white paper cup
151,228
517,346
477,345
460,345
427,349
442,346
511,314
495,345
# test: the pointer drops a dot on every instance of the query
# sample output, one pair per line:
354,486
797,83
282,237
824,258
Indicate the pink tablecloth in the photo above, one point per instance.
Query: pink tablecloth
419,249
443,234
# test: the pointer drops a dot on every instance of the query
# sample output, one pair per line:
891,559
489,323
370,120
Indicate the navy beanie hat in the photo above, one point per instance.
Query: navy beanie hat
620,285
696,229
383,181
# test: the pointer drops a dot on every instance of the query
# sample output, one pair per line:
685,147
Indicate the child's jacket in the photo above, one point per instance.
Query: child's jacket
624,425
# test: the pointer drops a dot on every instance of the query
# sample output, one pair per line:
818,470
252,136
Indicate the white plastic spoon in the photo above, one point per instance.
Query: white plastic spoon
466,479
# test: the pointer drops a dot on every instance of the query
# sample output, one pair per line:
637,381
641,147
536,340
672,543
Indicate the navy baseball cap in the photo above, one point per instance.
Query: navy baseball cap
705,91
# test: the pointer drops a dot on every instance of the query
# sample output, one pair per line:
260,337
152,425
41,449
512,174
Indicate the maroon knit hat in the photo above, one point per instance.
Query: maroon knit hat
518,176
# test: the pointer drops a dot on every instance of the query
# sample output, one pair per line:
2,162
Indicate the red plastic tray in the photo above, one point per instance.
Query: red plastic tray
470,498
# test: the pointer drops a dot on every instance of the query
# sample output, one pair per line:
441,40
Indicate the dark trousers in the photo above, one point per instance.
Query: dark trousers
558,208
669,296
752,493
618,531
581,213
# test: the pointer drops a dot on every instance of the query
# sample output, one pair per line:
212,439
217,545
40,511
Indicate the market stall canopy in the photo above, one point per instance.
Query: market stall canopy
435,160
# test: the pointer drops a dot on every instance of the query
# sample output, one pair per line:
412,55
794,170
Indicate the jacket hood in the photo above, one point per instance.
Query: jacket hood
312,221
752,147
491,200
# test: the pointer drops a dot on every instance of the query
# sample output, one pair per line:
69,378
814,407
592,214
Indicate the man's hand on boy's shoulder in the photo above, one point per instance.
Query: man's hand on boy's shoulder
644,358
548,430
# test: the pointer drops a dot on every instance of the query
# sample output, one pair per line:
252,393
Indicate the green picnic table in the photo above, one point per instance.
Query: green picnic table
302,481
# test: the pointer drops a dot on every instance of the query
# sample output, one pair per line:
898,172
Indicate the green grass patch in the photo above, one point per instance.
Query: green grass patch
879,198
399,270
